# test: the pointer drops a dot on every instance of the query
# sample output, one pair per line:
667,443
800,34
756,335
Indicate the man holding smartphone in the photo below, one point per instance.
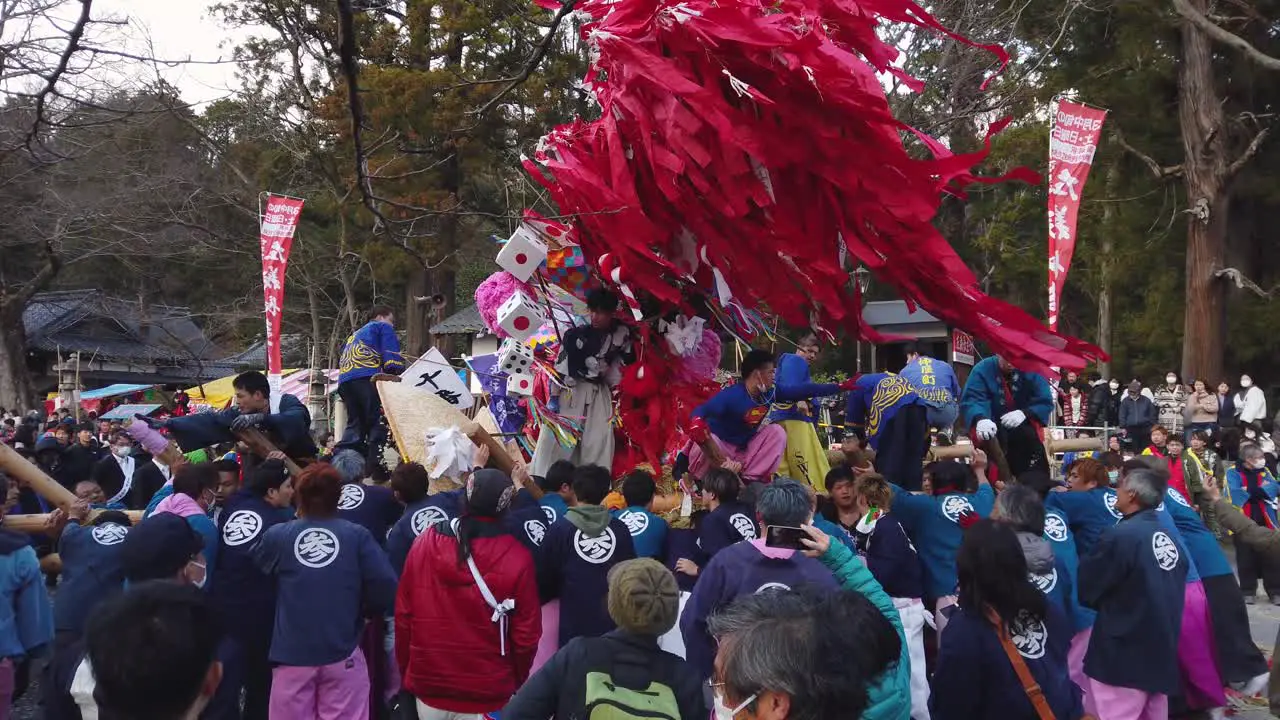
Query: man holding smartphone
749,567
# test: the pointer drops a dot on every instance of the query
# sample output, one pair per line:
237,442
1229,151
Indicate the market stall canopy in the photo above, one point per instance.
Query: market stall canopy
124,412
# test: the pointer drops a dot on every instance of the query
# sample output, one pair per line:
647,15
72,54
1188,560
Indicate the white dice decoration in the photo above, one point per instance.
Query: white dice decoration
520,317
523,253
520,384
515,357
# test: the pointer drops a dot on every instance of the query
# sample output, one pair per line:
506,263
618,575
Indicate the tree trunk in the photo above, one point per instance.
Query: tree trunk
1104,269
16,392
1206,171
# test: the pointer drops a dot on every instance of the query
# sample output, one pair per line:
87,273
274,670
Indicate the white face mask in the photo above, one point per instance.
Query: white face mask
724,712
123,451
1171,379
1115,386
1246,382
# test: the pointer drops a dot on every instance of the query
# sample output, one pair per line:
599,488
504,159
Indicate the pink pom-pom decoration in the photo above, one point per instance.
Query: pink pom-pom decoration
495,290
150,439
700,366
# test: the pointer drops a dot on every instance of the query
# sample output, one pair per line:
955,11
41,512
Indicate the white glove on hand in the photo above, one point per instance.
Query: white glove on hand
986,429
1013,418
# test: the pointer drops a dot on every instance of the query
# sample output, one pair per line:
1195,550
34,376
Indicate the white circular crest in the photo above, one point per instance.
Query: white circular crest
242,527
1110,501
427,517
352,496
636,522
743,525
1165,550
550,512
595,550
1176,496
316,547
772,586
1055,527
535,530
1030,636
1047,582
109,533
953,506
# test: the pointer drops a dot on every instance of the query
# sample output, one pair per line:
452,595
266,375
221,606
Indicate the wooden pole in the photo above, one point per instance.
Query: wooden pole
26,471
36,523
498,454
262,447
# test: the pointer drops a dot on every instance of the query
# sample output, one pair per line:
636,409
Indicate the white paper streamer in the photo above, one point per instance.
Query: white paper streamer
449,453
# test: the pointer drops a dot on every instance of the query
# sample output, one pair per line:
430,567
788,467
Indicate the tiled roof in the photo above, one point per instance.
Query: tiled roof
466,321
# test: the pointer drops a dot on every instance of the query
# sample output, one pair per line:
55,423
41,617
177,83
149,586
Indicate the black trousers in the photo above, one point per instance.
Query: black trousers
1022,449
902,446
1252,566
364,432
1239,659
245,666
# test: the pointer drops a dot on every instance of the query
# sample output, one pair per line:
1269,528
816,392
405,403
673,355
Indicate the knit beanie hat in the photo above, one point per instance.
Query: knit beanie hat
643,597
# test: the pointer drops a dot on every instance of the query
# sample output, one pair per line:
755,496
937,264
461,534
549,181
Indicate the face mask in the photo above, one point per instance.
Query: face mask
1171,379
123,451
724,712
1114,475
1115,386
1245,382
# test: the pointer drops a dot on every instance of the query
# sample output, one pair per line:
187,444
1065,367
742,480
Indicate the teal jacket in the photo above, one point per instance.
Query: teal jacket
889,698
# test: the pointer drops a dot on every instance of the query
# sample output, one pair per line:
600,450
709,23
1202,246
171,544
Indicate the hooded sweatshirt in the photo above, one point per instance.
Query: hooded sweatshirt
28,616
577,553
1045,571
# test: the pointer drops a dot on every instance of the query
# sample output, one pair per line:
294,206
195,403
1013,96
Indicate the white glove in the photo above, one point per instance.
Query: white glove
1013,418
986,429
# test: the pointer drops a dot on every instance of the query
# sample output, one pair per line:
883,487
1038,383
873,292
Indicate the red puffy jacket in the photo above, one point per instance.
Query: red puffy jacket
447,645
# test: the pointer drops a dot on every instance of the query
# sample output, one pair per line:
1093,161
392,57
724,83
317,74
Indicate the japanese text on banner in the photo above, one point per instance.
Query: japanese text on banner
1072,143
278,223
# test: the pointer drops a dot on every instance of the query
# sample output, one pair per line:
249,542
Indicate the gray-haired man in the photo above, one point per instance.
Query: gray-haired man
750,567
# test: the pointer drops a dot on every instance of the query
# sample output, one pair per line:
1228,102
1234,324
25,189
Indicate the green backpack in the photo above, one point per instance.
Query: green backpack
607,700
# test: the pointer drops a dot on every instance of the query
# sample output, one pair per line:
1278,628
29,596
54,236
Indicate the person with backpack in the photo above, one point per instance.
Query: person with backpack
751,567
648,531
1007,639
622,674
577,554
469,592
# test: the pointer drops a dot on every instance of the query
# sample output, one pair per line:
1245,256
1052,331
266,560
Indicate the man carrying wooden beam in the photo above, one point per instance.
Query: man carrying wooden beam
289,429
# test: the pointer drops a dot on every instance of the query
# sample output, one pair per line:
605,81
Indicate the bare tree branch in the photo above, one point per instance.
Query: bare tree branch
1224,36
534,60
1249,152
1160,171
51,80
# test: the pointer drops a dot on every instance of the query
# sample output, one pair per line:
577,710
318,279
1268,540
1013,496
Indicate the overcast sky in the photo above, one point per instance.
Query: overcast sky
180,30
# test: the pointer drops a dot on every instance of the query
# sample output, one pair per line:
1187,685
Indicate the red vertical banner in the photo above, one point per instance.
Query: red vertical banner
1074,139
277,225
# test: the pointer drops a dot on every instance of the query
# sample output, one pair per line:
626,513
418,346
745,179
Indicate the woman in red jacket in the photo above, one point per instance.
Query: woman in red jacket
468,617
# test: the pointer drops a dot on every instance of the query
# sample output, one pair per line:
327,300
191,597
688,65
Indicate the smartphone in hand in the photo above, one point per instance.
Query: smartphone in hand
781,536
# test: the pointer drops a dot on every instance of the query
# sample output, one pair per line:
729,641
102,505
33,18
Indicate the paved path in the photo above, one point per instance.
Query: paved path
1264,621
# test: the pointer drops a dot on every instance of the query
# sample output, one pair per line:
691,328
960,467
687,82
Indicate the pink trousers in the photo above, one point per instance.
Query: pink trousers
1117,703
1197,658
550,641
759,460
1075,668
338,691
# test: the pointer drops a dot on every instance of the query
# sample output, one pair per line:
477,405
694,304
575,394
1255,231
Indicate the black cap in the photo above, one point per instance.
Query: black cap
158,547
489,493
